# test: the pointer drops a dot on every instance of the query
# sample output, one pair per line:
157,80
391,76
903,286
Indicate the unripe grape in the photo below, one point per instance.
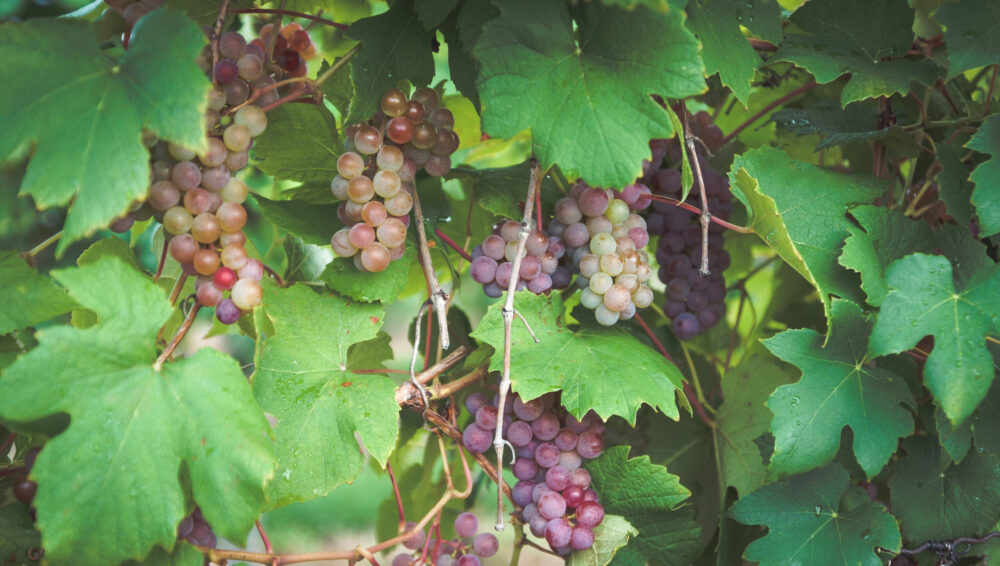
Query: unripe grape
216,99
368,140
252,118
617,298
236,137
386,184
247,294
611,264
177,220
205,262
350,165
375,257
231,238
182,248
360,189
232,216
389,158
617,211
600,283
234,256
179,152
590,299
341,243
235,191
603,243
391,233
205,228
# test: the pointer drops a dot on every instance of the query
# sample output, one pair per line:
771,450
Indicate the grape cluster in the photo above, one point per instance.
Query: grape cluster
466,550
375,174
540,270
553,491
694,303
196,530
605,241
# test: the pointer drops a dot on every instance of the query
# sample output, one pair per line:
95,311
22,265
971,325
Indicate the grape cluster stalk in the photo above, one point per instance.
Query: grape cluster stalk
375,175
468,549
694,302
553,490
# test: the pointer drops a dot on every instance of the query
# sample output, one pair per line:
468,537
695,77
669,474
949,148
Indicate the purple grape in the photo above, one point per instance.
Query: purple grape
469,560
674,308
227,312
566,439
580,477
582,538
551,505
226,71
539,490
537,525
403,560
573,495
696,301
709,317
493,247
475,439
558,532
590,445
715,292
528,450
485,545
525,469
466,524
528,411
483,269
570,460
590,495
529,511
493,290
561,278
185,527
540,284
503,273
677,265
589,514
417,539
677,289
521,494
557,478
519,433
475,402
696,282
686,326
546,426
547,455
486,417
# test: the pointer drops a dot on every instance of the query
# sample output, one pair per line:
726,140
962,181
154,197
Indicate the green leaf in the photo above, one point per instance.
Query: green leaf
314,223
302,379
986,421
577,363
433,12
90,152
817,518
205,12
338,89
300,143
183,555
394,46
956,441
612,534
842,126
838,388
889,235
743,418
17,535
954,186
805,227
28,297
935,499
925,301
601,126
385,286
109,247
725,50
986,196
971,33
501,191
854,36
305,262
649,498
197,411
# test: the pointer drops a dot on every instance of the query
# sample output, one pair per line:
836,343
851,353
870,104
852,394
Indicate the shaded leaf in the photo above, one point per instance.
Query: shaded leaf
314,223
612,534
844,126
17,535
342,276
986,196
27,296
300,144
972,33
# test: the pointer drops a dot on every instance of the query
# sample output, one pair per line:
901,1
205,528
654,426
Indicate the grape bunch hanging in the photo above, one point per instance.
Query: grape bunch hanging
376,172
553,491
492,261
468,549
694,302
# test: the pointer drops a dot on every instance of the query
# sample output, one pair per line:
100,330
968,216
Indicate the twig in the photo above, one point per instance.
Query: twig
294,15
413,357
508,321
274,274
656,341
163,260
947,550
451,244
399,498
437,295
297,95
272,39
405,392
177,337
178,285
763,111
688,392
30,254
264,538
696,210
337,65
706,215
217,32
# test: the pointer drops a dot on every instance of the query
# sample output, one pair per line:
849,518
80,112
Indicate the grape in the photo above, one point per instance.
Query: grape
427,97
237,160
617,211
438,165
24,490
593,201
558,532
557,477
350,165
182,248
589,514
521,494
205,262
603,243
447,140
570,460
525,468
391,233
547,455
476,440
400,204
400,129
486,417
227,312
565,440
360,189
177,220
416,540
375,257
215,178
446,560
205,228
393,102
236,137
590,444
485,545
252,118
232,216
469,560
493,247
528,411
208,294
551,505
546,426
600,283
519,433
530,268
466,525
605,316
185,175
582,538
540,284
232,45
414,111
247,294
403,560
235,191
386,184
234,256
483,269
185,526
389,158
226,71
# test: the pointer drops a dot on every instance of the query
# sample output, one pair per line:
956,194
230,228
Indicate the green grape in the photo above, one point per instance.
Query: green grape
177,220
252,118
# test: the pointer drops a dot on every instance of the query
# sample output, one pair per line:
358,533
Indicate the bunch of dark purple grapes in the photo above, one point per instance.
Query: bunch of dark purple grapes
467,550
694,303
540,270
196,530
553,491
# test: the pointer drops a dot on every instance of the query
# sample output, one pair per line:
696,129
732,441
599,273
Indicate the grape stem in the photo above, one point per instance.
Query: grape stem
438,297
696,210
163,260
451,244
399,498
508,320
706,215
294,15
405,393
272,39
274,274
947,550
413,357
264,538
30,254
181,332
765,110
216,33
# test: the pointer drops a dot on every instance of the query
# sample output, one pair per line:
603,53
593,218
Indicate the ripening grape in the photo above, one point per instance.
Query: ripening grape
485,545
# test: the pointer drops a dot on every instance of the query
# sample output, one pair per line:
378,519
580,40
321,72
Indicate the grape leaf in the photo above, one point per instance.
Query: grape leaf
817,518
837,389
612,534
725,50
954,185
27,296
601,126
205,12
854,36
433,12
320,406
197,411
841,126
300,144
923,301
342,276
986,196
501,191
805,227
972,33
935,499
338,89
305,261
314,223
91,151
649,498
17,535
394,46
889,235
577,362
743,418
183,555
956,440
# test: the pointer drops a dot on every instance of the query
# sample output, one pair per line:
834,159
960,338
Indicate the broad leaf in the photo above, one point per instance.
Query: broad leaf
27,296
587,101
725,50
743,418
197,411
926,301
986,196
320,407
805,227
578,363
986,421
17,535
342,276
205,12
394,47
817,518
338,89
954,186
183,555
649,498
433,12
972,33
841,126
84,113
501,191
854,36
935,499
613,533
314,223
837,389
300,144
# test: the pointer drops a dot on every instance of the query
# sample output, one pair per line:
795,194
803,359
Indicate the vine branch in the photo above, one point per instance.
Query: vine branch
437,296
696,210
181,332
706,215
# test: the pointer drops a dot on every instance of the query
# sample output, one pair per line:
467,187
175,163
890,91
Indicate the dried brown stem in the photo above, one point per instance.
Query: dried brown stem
706,215
399,498
437,297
